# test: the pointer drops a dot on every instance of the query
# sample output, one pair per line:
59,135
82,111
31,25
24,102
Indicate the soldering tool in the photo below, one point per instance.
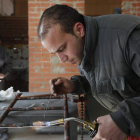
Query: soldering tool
91,127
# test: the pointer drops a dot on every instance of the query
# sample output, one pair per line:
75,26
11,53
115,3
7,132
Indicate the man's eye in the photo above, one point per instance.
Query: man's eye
62,49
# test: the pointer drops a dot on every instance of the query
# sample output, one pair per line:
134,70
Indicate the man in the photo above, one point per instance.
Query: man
107,52
5,68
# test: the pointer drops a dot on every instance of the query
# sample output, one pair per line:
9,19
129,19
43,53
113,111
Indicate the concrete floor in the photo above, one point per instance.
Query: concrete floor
30,134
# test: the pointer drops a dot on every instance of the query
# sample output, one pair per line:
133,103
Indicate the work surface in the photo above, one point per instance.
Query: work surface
40,115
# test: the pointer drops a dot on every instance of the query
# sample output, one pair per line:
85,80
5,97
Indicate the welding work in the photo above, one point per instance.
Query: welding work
99,94
92,127
105,50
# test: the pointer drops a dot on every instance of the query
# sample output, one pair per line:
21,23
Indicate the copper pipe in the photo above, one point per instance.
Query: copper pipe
36,108
43,97
31,124
66,124
5,113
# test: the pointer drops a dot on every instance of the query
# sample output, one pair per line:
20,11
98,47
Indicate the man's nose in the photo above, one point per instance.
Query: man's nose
63,58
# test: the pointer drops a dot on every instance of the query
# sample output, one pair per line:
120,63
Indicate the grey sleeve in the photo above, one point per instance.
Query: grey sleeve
82,85
128,115
7,64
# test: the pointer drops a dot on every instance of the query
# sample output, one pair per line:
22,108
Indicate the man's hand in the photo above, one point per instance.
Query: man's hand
108,130
61,85
1,76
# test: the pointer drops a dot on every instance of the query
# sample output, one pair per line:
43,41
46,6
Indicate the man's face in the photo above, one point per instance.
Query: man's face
68,47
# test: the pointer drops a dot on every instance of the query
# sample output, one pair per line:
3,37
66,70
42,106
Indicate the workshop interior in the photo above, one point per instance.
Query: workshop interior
33,113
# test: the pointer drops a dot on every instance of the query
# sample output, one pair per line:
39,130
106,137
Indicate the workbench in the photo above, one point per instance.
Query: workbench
38,115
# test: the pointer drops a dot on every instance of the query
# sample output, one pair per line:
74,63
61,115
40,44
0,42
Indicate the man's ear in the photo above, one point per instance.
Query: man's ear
79,29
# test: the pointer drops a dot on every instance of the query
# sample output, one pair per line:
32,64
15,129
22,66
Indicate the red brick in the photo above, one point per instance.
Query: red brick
34,14
138,14
42,0
42,49
46,65
42,90
136,4
35,44
45,70
43,79
35,74
47,85
31,39
34,34
69,0
32,65
80,5
32,49
33,24
32,90
52,4
35,85
41,9
128,13
44,60
31,70
46,54
32,20
32,60
71,69
81,9
35,54
34,4
137,9
31,9
31,79
49,75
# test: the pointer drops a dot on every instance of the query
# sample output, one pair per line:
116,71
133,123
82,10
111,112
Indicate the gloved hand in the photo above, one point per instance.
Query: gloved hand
60,86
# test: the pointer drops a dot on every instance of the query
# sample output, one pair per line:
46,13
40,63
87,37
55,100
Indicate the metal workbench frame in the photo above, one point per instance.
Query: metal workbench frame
42,96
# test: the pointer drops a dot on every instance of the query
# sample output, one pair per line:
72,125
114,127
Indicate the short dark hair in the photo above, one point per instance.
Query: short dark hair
64,15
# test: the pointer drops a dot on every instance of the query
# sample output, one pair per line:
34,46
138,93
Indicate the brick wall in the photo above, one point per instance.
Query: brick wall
42,65
14,30
131,7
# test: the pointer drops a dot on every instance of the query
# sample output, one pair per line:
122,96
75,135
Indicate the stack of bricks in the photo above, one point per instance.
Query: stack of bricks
42,65
131,7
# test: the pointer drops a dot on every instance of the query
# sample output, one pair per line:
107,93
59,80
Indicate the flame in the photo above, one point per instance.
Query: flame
37,125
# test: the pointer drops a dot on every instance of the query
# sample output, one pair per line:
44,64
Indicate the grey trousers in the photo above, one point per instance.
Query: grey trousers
2,87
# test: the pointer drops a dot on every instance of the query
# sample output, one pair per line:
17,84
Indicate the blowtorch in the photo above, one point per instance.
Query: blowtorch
91,127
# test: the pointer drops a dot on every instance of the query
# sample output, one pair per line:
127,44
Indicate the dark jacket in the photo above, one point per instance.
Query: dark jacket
106,69
5,62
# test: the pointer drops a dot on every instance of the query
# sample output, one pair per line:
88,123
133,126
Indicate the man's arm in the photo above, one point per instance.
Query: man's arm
82,85
127,117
